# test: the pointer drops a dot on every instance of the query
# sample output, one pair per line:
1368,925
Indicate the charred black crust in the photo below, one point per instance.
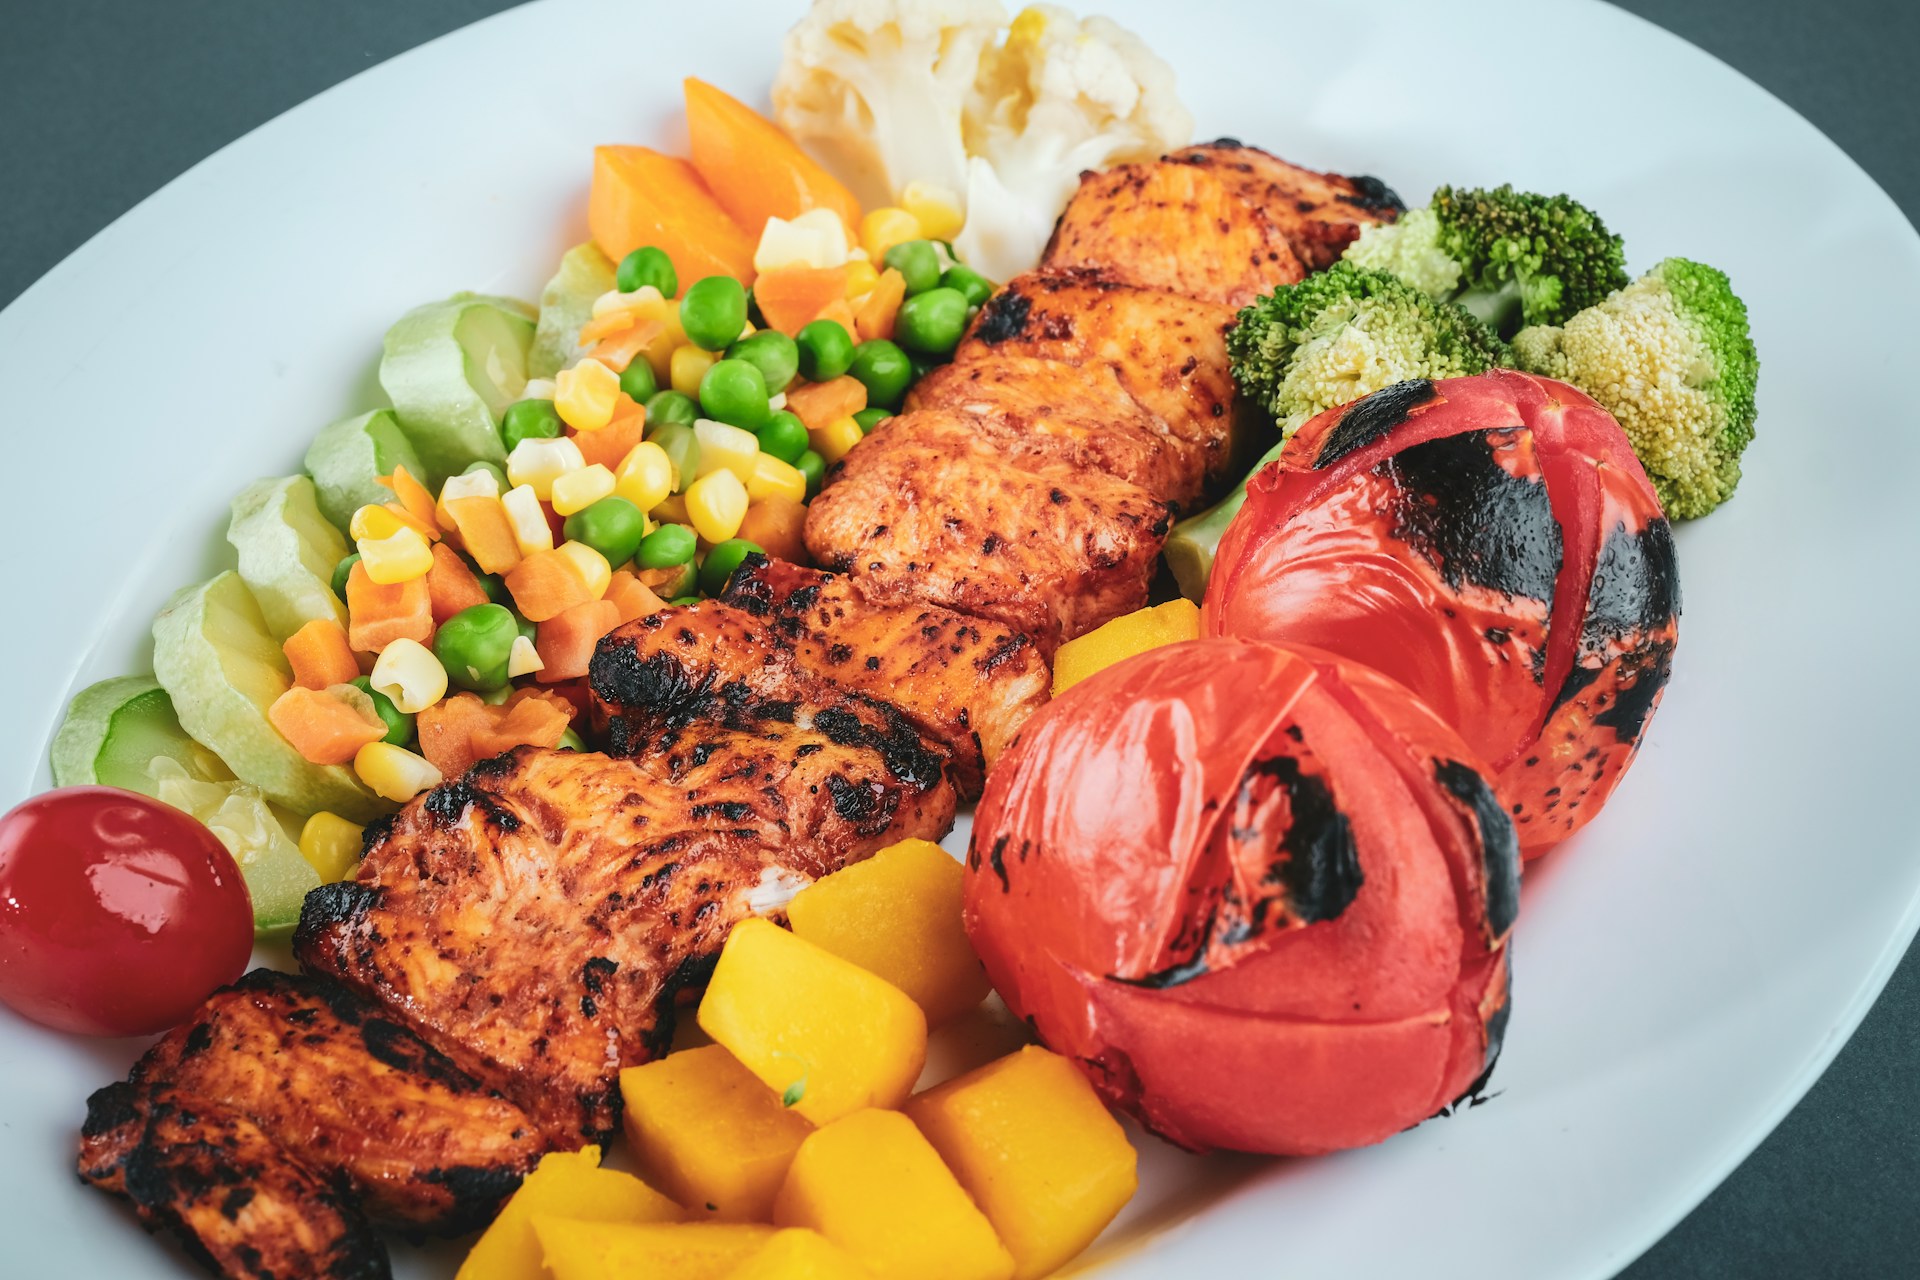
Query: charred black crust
902,750
1004,317
341,904
1320,867
660,681
478,1191
1473,520
1373,195
1499,846
112,1107
1636,584
1642,678
1371,417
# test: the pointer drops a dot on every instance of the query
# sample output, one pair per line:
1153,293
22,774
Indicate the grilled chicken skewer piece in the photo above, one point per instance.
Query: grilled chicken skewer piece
246,1123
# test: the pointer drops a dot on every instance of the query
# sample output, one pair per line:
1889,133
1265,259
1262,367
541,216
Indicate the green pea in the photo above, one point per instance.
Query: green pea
399,723
682,448
612,526
493,469
924,364
474,645
495,697
646,266
918,262
814,467
871,418
571,741
667,547
529,420
637,380
735,392
773,353
671,406
754,314
341,572
496,588
884,370
714,312
784,436
974,286
932,322
530,631
684,582
826,349
722,559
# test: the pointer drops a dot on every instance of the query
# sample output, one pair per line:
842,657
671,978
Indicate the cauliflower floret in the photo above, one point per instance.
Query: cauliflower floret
876,89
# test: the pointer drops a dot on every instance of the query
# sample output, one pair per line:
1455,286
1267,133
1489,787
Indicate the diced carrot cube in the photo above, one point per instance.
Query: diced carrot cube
447,730
818,403
567,639
378,615
451,586
413,495
323,728
529,722
632,597
486,532
778,525
610,445
792,296
546,585
875,317
320,655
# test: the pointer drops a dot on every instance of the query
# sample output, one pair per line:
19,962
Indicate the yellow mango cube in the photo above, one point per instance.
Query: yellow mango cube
1037,1150
709,1133
898,915
581,1250
565,1182
799,1254
823,1033
1136,632
874,1186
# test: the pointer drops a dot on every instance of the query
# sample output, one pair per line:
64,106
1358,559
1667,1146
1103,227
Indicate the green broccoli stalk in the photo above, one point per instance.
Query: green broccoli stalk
1329,340
1510,257
1671,358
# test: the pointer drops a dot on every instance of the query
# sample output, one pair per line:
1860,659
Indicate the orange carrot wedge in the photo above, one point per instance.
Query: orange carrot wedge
818,403
447,729
378,615
610,445
633,598
526,722
777,526
792,296
320,655
546,585
451,586
486,532
566,640
754,169
323,728
641,197
875,317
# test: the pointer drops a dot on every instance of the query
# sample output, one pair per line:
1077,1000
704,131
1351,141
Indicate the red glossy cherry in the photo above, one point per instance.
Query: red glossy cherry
118,914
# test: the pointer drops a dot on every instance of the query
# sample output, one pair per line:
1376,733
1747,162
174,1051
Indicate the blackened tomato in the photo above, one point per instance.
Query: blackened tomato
118,914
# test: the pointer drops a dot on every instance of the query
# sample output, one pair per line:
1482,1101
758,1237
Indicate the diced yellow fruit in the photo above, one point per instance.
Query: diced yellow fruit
799,1254
937,209
645,476
886,227
1036,1149
395,773
578,490
592,565
585,395
537,462
374,521
401,556
825,1034
897,915
576,1250
873,1185
710,1133
565,1182
409,674
1136,632
834,440
773,478
331,844
724,446
716,504
861,277
529,521
687,366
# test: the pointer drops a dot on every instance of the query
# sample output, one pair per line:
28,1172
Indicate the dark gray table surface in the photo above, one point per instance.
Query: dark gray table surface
103,102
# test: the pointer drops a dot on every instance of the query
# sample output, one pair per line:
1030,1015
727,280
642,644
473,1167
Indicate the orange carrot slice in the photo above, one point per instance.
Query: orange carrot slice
641,197
323,728
792,296
486,532
818,403
546,585
451,586
875,317
566,640
754,169
320,655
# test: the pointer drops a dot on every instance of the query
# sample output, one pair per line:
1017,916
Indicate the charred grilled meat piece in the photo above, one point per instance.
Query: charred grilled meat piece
538,917
926,509
230,1194
1319,213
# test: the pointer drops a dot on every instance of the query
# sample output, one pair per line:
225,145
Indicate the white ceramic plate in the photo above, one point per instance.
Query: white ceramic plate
1684,971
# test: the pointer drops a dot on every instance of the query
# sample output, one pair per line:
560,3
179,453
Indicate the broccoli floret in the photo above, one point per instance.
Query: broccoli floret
1671,358
1329,340
1509,257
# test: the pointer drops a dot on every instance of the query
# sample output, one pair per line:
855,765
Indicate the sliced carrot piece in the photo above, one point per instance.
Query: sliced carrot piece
792,296
414,496
610,445
546,585
632,598
378,615
779,526
323,728
818,403
753,168
840,311
875,317
447,730
566,640
486,532
528,722
641,197
451,586
320,655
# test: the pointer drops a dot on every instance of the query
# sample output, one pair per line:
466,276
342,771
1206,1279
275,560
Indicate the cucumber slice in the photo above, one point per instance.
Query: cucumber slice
565,304
255,832
451,369
346,458
214,657
116,728
288,552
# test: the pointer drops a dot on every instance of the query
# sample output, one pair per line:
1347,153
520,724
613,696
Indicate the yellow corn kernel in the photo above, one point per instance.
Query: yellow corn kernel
402,556
687,366
471,484
411,677
773,478
585,395
733,448
395,773
671,509
578,490
716,504
523,659
331,844
374,521
886,227
529,521
645,476
861,277
936,208
538,462
592,565
833,441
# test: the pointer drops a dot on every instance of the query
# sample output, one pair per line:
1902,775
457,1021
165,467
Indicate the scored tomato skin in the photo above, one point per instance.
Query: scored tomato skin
118,914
